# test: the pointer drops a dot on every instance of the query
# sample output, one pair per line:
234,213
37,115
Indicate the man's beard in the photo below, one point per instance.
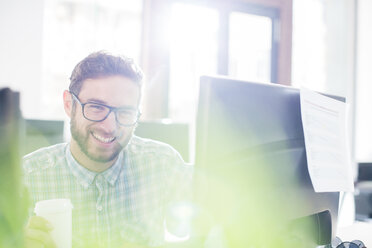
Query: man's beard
82,139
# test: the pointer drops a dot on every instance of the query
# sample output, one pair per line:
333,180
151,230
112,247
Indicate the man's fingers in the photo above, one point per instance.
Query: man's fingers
37,222
39,236
37,233
30,243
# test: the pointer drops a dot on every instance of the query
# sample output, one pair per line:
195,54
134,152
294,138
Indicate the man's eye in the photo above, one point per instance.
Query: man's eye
96,107
126,113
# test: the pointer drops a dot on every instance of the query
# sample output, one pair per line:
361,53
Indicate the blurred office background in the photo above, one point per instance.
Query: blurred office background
323,45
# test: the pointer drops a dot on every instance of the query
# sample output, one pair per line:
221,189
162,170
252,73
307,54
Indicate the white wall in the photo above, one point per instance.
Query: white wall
323,45
340,37
21,27
364,83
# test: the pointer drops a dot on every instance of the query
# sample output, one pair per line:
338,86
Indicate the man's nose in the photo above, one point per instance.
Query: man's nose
110,124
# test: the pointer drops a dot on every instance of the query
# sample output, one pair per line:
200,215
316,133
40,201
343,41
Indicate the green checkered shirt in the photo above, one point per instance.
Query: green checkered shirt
127,202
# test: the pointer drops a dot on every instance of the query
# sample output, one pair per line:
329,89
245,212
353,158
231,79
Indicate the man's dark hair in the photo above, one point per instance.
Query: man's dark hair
102,64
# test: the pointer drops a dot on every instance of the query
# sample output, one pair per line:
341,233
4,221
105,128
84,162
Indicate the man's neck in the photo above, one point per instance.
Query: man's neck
88,163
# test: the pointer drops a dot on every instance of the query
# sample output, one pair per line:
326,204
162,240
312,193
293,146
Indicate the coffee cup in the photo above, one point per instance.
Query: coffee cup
59,213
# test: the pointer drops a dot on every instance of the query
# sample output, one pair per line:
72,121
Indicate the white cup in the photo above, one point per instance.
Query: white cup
58,213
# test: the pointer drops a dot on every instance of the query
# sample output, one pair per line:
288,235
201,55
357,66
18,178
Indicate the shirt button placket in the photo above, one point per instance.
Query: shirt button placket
99,207
99,185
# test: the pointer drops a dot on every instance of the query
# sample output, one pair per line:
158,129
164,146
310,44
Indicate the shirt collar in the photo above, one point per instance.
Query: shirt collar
86,177
112,173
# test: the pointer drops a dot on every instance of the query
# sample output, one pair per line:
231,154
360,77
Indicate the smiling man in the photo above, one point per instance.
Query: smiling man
100,131
120,185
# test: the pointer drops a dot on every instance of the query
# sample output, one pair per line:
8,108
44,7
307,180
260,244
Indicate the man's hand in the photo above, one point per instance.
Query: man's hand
38,233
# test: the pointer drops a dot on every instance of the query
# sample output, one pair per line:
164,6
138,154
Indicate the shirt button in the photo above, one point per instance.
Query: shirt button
99,208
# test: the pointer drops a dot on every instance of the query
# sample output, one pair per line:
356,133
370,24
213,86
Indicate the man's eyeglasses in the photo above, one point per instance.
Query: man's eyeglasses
337,243
98,112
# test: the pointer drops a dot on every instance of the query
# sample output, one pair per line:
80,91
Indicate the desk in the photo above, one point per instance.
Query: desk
358,230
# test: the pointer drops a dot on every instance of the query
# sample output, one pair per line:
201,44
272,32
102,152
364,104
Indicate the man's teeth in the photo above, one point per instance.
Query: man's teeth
103,139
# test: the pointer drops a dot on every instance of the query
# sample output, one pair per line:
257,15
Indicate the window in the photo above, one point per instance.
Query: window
250,46
73,29
240,41
193,52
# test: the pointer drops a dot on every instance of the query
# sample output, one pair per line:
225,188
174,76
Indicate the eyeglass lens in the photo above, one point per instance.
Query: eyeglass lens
97,112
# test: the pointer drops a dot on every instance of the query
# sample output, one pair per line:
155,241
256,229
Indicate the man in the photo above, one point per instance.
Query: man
120,185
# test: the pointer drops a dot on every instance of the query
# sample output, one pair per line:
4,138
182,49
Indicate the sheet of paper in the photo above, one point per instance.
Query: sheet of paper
326,140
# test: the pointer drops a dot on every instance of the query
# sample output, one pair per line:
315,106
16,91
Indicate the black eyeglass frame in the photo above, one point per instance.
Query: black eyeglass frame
111,109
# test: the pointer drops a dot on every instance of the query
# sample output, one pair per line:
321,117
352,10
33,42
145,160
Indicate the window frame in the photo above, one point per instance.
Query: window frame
155,56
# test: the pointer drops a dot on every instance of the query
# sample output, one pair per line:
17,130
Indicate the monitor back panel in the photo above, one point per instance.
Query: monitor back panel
250,136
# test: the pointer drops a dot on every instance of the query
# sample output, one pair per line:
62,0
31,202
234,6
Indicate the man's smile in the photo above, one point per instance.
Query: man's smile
106,140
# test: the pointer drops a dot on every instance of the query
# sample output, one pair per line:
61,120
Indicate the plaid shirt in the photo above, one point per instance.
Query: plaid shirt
127,202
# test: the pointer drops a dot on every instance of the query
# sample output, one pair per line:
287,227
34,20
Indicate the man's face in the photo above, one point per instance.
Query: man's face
103,141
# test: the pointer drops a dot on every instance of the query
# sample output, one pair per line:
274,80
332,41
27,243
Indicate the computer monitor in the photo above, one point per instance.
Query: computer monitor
250,159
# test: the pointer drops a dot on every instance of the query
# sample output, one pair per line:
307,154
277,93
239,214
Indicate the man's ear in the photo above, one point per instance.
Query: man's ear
67,102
